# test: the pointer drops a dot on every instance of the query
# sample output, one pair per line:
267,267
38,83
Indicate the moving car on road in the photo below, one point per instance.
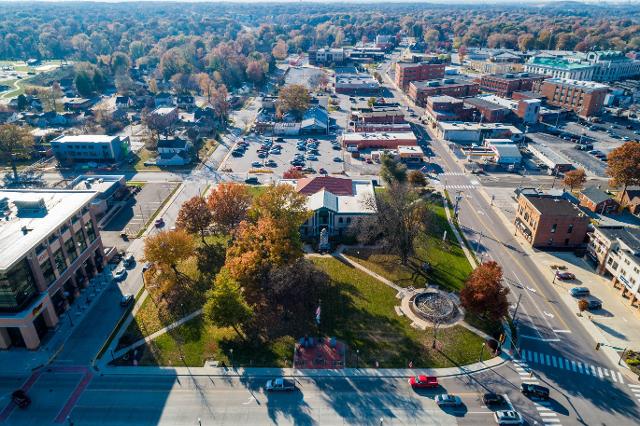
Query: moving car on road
423,382
492,399
126,300
565,276
20,398
536,391
129,261
448,400
280,384
508,417
120,274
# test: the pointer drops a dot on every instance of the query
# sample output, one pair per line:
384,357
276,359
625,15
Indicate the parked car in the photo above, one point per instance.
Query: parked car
337,159
423,382
280,384
579,291
159,222
336,147
536,391
565,276
126,300
322,171
256,164
120,274
20,398
280,139
252,180
593,303
492,399
448,400
271,163
129,261
508,417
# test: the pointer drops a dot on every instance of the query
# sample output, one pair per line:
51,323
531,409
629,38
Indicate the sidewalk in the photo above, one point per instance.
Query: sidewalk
294,372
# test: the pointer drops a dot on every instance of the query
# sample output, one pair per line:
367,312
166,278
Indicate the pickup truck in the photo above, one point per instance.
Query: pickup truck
280,384
423,382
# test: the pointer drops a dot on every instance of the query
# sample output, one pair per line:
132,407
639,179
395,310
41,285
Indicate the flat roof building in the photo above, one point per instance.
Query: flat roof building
507,83
470,133
585,98
357,141
51,248
406,72
559,68
97,148
420,91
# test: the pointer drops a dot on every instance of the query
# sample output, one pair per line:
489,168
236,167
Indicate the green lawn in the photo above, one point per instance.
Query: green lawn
449,266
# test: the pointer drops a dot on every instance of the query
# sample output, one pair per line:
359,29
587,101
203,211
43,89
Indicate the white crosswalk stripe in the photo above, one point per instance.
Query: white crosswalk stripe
551,421
528,356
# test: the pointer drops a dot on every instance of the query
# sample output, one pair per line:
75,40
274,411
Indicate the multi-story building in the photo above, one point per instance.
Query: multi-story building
470,133
446,108
327,56
97,148
617,252
585,98
550,222
613,65
51,248
596,200
560,68
488,111
378,113
505,84
420,91
349,81
406,72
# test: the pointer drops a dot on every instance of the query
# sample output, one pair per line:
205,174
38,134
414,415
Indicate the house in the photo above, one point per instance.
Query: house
507,154
617,251
631,199
174,152
598,201
335,202
550,222
77,104
8,117
124,102
164,99
186,102
168,115
315,120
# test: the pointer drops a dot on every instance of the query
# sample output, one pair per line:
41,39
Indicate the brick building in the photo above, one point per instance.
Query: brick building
505,84
406,72
598,201
585,98
550,222
420,91
490,112
446,108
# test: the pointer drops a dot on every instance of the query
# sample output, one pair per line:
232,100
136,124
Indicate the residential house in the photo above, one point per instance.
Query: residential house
315,120
77,104
186,102
630,199
174,151
164,99
124,102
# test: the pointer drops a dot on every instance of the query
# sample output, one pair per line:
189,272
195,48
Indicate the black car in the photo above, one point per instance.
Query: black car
252,181
491,398
535,391
593,304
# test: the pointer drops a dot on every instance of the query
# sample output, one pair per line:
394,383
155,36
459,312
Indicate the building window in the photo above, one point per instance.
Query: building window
17,287
570,230
88,227
47,271
566,241
553,228
82,241
70,248
58,259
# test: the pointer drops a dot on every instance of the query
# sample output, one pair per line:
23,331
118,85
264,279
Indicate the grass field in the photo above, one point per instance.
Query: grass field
449,266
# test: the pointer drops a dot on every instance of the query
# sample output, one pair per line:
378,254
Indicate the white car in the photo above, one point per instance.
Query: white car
508,417
448,400
120,274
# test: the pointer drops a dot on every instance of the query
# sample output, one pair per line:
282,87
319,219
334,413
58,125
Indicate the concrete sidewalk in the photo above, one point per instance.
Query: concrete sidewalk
309,373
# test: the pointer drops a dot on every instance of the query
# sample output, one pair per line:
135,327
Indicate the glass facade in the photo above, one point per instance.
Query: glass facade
17,287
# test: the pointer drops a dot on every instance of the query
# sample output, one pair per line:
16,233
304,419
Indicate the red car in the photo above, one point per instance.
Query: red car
422,382
565,276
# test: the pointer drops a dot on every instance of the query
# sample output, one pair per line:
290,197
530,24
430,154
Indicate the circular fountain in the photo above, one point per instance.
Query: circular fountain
435,306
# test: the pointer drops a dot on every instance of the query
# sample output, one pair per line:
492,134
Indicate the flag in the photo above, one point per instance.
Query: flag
318,315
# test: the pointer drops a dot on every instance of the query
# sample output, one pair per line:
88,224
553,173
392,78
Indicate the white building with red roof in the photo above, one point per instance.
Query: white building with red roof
336,202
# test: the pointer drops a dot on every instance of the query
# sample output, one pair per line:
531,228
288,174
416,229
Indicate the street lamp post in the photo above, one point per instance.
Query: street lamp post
231,360
357,357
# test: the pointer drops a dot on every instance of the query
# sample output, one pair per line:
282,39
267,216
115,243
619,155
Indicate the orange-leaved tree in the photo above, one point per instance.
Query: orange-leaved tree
624,166
575,178
195,217
483,293
229,203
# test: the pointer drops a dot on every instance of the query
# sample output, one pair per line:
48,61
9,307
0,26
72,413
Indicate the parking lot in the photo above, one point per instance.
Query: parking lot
577,157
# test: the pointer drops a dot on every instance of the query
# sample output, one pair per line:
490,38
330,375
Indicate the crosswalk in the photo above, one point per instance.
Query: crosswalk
636,391
451,174
570,365
547,415
461,187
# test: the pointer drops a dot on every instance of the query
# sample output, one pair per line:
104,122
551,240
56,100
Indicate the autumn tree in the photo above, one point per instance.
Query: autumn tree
484,294
392,170
219,102
226,305
255,72
207,85
294,98
416,178
15,140
283,204
195,217
279,51
167,249
575,178
293,173
624,166
229,204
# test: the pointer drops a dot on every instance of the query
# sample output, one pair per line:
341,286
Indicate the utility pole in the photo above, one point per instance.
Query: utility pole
515,312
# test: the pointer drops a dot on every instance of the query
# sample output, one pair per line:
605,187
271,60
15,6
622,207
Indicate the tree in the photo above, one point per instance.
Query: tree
293,173
294,98
206,84
483,293
255,72
195,217
575,178
220,103
157,123
401,217
416,178
229,204
167,249
624,166
392,170
279,51
183,83
583,305
14,140
462,53
283,204
120,63
226,305
124,84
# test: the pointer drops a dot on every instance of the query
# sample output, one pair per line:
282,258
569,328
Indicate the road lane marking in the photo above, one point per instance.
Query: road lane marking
567,364
593,371
553,360
620,377
552,414
548,359
605,372
631,385
573,366
548,314
613,376
561,331
580,367
600,372
529,356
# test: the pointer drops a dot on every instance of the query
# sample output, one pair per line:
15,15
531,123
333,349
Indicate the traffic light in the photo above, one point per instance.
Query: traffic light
597,346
